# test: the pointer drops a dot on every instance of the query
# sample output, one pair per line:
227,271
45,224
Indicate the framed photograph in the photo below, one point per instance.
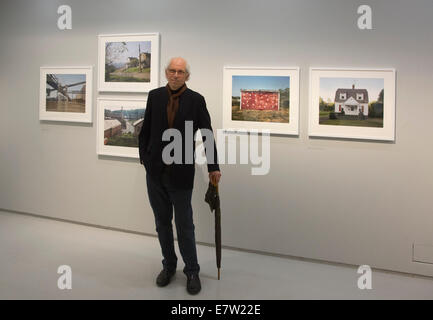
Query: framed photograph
119,124
66,94
261,98
128,62
352,103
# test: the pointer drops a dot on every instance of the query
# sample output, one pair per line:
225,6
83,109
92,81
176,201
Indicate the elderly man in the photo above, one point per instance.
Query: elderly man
170,185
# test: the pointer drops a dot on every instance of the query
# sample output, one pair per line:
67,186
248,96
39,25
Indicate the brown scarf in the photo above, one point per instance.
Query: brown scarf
173,103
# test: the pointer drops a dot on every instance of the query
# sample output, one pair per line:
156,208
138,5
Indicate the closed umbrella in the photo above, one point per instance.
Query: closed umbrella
213,199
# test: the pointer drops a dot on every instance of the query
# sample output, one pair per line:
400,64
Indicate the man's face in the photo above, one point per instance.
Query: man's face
176,74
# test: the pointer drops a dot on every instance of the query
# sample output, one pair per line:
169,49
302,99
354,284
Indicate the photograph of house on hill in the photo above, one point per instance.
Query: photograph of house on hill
128,62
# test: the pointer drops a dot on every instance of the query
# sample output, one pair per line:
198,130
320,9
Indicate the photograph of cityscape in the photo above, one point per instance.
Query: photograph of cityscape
122,125
119,125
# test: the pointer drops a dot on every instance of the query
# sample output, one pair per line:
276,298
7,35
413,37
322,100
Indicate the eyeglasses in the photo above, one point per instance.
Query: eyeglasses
179,72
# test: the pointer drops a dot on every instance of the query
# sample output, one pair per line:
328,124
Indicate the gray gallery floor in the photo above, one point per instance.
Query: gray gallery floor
116,265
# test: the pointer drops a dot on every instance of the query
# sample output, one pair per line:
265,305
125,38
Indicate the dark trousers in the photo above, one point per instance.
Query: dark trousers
163,197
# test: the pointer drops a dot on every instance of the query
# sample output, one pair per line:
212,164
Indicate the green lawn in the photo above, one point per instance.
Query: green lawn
116,78
371,122
137,69
125,140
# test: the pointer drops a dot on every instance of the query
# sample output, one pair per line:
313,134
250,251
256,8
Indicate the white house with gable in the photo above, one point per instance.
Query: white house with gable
352,101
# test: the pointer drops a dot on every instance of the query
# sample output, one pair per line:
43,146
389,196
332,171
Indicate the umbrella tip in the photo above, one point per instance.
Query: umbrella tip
218,273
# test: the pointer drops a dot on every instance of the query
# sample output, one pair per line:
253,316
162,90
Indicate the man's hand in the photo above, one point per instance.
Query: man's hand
214,177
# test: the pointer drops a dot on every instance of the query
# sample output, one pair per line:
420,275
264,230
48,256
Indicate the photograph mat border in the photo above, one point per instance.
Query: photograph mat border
387,133
85,117
229,125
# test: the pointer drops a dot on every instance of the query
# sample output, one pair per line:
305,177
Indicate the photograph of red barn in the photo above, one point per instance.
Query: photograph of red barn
261,98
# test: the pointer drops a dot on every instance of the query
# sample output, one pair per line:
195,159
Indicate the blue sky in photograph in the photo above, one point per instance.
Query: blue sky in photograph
328,86
258,83
66,79
131,50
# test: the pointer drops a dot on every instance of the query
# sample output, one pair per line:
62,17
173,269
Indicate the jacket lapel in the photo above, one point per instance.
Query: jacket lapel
164,117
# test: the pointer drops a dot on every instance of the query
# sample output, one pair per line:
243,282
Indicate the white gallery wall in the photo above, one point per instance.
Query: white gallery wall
348,201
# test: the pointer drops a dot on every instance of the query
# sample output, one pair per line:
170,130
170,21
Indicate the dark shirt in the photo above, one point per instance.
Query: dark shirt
172,108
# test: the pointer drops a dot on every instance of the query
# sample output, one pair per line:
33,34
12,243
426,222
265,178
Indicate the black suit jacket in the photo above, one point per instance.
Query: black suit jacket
192,107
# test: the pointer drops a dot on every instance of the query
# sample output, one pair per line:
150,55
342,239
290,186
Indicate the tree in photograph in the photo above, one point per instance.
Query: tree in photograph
380,98
113,50
322,104
375,108
284,98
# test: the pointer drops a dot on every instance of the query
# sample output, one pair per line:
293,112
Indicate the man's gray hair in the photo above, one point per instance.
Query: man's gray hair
187,67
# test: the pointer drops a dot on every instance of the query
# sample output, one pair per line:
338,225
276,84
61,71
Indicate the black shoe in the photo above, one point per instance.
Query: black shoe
193,285
164,277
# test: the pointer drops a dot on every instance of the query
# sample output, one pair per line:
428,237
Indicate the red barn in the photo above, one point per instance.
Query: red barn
260,100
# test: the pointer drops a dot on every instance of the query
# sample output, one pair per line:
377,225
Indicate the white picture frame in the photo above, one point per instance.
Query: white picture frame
267,81
66,94
124,129
373,123
119,53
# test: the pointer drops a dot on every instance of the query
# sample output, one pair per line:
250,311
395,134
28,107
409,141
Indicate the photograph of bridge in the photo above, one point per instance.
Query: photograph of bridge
66,93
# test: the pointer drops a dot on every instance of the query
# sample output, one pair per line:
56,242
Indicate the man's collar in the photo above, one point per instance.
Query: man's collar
175,91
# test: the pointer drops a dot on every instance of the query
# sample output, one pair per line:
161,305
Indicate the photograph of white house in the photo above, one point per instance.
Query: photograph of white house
351,102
